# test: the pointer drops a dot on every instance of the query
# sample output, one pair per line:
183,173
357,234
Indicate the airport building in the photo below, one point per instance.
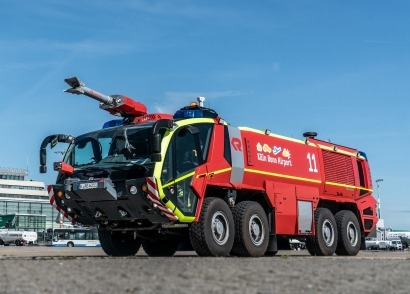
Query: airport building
26,199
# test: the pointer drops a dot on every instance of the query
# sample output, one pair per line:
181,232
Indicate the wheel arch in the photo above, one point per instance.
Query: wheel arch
335,207
240,195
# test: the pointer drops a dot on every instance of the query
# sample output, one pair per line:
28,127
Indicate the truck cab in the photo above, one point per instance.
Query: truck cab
396,244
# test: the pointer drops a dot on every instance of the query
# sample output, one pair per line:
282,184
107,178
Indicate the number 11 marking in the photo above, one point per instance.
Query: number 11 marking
312,160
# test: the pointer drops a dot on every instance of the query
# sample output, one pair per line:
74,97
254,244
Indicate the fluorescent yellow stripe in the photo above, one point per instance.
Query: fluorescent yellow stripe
271,135
282,176
348,186
182,218
179,179
354,154
189,121
300,141
215,172
222,170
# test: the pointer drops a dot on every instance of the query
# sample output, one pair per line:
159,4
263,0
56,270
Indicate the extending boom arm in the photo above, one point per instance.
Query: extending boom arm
115,104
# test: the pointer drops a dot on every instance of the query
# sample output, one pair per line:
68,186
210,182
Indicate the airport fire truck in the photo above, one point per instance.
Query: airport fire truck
191,180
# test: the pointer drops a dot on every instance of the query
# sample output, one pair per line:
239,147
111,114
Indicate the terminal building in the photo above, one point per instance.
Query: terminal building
27,200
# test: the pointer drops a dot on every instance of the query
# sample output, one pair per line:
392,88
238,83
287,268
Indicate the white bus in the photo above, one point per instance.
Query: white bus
72,237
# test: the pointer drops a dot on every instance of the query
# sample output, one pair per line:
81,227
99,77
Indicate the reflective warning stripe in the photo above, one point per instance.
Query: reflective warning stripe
53,203
153,196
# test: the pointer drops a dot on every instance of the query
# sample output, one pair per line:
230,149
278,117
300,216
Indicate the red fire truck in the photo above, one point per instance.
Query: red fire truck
192,180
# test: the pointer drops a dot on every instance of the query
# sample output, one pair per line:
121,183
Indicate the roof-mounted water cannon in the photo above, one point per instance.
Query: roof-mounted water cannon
118,105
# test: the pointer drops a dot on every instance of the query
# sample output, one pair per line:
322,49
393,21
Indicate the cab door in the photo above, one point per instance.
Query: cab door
186,150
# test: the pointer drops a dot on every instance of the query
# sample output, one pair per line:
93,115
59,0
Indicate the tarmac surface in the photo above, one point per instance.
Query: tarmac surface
39,269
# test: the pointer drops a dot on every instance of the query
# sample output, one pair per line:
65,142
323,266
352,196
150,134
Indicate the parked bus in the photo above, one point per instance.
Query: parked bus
72,237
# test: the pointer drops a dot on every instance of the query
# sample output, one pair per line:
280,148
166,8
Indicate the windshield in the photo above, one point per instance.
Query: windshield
126,144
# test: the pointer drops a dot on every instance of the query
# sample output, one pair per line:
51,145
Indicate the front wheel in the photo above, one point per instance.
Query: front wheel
251,229
349,233
160,247
213,234
118,243
311,245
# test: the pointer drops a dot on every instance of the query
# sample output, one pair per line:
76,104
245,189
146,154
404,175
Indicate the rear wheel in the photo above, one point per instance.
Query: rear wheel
213,234
118,243
164,247
349,233
251,229
70,244
325,240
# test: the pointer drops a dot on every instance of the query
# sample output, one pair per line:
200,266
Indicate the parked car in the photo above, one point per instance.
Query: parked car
396,244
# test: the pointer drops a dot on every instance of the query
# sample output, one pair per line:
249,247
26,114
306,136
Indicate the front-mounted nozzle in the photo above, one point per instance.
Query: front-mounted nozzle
78,87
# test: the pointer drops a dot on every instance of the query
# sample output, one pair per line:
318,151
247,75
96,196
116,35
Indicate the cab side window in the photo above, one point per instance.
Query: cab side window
186,157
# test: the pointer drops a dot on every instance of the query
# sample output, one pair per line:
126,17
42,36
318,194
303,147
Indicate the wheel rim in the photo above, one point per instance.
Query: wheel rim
328,233
256,230
220,228
352,235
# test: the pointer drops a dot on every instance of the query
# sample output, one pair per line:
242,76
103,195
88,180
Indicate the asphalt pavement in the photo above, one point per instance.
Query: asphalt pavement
40,269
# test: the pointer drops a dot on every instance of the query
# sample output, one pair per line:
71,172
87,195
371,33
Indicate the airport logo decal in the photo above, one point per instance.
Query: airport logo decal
236,144
273,155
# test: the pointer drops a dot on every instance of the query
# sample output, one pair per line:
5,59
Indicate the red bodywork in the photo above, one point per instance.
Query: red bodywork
290,175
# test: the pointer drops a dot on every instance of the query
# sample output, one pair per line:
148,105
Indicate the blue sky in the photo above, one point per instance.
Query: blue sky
340,68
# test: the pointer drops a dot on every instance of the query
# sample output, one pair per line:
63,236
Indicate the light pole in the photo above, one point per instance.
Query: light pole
378,197
378,207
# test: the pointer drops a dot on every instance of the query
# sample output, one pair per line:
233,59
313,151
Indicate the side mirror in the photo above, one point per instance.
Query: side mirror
156,157
156,148
156,138
52,140
156,143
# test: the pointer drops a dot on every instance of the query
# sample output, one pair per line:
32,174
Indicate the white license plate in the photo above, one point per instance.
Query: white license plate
88,185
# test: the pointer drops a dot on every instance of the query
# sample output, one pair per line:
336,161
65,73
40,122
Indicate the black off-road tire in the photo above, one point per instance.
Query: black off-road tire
117,243
251,230
311,246
271,253
164,247
213,234
349,233
326,237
